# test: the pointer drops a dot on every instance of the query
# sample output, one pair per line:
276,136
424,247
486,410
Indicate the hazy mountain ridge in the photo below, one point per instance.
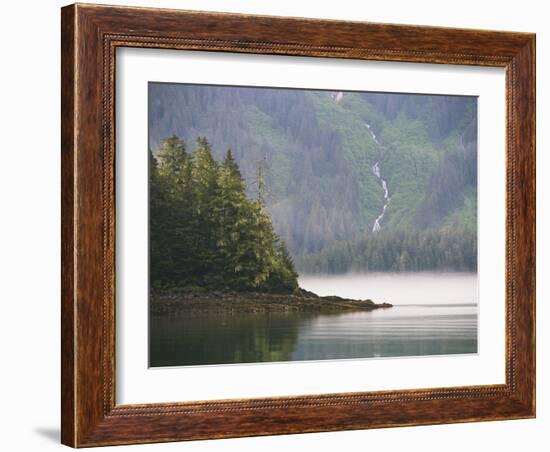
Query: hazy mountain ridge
319,149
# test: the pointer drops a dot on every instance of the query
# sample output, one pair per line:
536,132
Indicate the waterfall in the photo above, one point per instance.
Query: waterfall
385,187
376,227
376,169
372,134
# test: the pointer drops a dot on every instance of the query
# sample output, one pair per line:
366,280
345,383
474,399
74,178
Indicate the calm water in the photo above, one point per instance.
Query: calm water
433,314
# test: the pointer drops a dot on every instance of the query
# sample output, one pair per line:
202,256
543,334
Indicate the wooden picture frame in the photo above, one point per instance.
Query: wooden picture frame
90,36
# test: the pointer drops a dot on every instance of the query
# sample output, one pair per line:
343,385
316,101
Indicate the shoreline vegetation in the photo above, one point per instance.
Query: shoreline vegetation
205,231
300,300
213,248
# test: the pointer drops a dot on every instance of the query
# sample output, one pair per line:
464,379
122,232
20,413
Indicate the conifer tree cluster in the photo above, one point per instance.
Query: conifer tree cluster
445,249
204,230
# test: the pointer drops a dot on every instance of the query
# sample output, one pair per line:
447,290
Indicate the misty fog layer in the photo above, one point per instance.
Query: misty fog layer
398,288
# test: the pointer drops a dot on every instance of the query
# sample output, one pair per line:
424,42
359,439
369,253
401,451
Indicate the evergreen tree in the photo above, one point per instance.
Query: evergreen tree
159,250
283,277
173,159
177,227
208,206
235,247
204,231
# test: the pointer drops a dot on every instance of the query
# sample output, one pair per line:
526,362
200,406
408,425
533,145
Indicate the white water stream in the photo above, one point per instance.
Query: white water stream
376,227
338,96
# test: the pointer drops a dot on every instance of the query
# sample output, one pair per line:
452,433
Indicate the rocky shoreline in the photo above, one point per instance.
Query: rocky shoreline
301,300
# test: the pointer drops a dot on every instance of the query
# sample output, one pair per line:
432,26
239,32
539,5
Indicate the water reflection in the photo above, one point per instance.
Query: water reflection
433,314
400,331
222,338
246,338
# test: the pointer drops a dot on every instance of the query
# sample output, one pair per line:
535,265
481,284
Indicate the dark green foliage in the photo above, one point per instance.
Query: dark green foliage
454,180
431,250
204,231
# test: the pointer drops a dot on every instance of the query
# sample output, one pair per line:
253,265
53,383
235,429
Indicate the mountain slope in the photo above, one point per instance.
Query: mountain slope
319,149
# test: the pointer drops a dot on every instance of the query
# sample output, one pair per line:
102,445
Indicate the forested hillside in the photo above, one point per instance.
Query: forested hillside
353,181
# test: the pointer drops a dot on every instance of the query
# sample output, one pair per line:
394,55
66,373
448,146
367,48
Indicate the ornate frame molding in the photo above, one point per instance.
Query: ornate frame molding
90,37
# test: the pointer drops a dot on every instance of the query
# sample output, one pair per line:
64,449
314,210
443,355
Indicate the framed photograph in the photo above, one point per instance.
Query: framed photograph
281,225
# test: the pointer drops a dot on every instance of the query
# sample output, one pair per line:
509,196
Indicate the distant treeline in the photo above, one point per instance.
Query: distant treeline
204,231
442,249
